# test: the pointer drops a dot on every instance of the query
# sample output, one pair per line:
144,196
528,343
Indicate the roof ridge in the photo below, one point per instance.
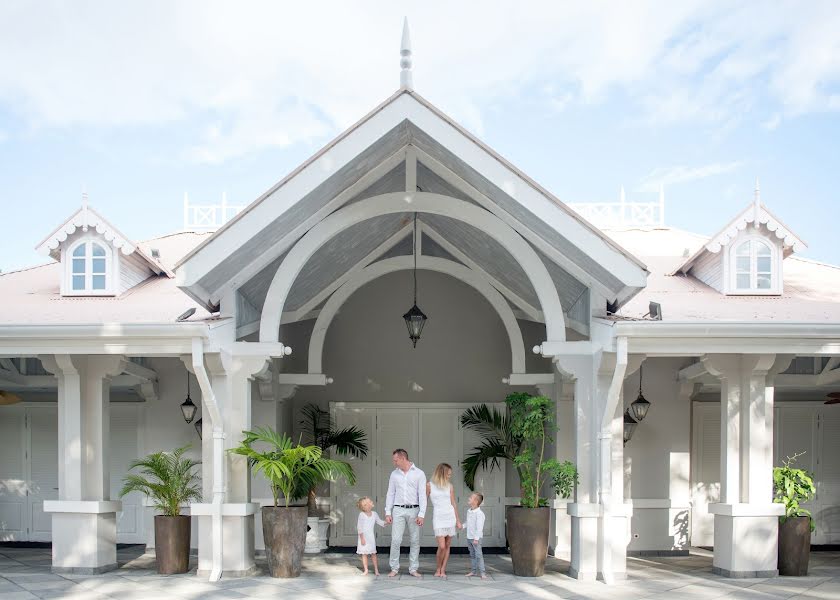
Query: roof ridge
23,269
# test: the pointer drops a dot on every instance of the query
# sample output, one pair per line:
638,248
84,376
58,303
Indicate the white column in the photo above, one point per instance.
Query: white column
231,377
746,519
562,391
84,531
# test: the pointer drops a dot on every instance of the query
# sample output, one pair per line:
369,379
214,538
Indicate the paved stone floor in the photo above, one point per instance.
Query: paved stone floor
25,573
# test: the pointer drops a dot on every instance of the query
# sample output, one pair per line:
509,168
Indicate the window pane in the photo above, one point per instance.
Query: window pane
742,264
99,282
80,250
98,250
78,282
763,281
743,249
742,281
763,264
762,249
78,265
98,265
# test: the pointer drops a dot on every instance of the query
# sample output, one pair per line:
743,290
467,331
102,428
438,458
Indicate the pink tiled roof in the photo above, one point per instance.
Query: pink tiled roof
811,289
31,296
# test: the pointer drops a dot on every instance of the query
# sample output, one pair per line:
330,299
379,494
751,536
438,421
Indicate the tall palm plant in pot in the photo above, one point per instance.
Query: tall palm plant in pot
291,470
520,436
169,480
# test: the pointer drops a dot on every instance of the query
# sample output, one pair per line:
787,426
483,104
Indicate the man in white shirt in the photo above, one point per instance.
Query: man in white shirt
405,505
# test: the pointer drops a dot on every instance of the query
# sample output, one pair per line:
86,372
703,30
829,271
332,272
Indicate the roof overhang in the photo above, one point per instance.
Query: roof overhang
268,227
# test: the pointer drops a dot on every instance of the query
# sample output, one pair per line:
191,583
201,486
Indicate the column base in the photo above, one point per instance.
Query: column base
84,536
584,551
746,539
237,538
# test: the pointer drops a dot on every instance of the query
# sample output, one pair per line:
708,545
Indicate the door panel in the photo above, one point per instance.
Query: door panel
13,484
345,498
395,428
43,432
440,441
827,509
123,449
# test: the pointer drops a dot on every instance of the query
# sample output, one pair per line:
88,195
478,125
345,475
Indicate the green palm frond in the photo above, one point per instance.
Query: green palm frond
351,441
487,455
167,478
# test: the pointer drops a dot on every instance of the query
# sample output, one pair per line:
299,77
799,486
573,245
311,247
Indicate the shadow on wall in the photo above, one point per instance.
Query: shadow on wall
680,528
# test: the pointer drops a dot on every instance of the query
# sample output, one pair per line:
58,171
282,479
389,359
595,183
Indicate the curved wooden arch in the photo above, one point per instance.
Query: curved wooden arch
423,202
427,263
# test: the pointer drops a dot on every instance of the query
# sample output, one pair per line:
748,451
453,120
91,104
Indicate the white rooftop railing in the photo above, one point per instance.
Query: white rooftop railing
623,213
208,217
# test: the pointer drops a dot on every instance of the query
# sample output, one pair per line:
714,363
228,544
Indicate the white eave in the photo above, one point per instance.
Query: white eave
87,218
755,214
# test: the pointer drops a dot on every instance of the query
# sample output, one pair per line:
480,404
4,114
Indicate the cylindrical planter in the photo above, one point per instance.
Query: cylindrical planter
527,534
794,546
284,532
172,544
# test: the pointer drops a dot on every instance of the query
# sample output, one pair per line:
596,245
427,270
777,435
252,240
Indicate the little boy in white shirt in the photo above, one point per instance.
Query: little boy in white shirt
475,531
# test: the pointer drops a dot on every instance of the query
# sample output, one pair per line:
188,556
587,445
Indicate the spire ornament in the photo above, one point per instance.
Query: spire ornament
406,82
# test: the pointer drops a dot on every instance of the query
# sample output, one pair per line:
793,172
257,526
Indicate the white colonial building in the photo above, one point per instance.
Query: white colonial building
298,298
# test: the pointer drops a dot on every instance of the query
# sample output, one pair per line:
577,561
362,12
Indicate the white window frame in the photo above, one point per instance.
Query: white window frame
111,269
731,278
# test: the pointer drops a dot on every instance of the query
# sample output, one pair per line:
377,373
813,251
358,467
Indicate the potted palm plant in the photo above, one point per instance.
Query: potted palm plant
792,487
520,436
319,430
169,480
291,470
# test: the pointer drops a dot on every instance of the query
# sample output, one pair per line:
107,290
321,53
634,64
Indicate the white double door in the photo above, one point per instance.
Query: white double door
29,470
431,434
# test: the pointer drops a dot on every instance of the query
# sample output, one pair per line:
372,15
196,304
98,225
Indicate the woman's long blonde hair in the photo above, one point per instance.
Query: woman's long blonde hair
439,476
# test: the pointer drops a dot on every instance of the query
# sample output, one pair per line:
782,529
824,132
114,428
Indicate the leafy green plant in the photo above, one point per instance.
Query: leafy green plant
291,469
167,478
519,436
319,430
792,487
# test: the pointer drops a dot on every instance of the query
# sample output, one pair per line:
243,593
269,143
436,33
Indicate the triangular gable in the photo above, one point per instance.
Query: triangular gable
87,218
755,214
374,147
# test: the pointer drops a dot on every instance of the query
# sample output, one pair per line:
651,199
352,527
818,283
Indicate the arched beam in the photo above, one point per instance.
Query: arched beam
422,202
428,263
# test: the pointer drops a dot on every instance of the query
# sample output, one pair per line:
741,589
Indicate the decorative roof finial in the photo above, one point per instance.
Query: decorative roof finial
757,205
406,82
84,208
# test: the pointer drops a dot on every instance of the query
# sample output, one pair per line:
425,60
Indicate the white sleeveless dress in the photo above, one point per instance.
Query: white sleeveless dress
443,513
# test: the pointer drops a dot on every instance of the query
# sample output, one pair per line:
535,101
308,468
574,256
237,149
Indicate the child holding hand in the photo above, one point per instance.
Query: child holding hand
475,530
366,546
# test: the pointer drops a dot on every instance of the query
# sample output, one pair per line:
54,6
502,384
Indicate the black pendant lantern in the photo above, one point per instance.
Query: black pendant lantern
414,318
629,426
198,427
640,405
188,408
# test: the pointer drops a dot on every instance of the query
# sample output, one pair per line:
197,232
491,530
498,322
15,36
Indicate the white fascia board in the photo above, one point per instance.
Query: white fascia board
619,262
286,193
698,338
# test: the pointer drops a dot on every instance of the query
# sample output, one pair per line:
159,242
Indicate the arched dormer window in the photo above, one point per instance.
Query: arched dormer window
90,268
754,268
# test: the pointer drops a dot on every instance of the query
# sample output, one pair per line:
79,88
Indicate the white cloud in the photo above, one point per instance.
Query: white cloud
261,74
772,123
669,176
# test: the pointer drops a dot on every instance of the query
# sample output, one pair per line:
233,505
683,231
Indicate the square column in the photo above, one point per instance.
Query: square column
231,378
84,530
746,519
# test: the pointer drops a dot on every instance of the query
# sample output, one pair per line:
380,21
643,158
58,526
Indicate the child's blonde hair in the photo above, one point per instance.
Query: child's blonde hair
361,501
478,496
439,476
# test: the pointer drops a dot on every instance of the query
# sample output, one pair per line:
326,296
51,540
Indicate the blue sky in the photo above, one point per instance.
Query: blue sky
141,102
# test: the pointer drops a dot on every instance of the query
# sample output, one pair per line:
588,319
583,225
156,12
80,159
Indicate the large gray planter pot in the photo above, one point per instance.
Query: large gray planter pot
284,532
527,534
794,546
172,544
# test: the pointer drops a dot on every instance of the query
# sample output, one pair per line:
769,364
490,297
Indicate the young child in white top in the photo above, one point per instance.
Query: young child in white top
475,531
366,546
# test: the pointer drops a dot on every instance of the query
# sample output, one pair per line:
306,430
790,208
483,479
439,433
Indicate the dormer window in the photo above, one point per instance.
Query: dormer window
90,266
754,267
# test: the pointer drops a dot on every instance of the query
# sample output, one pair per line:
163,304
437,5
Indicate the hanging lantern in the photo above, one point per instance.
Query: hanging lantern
414,318
188,408
639,407
198,427
629,426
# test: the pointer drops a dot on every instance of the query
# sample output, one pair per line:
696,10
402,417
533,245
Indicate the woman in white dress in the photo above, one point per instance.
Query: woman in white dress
445,521
366,546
